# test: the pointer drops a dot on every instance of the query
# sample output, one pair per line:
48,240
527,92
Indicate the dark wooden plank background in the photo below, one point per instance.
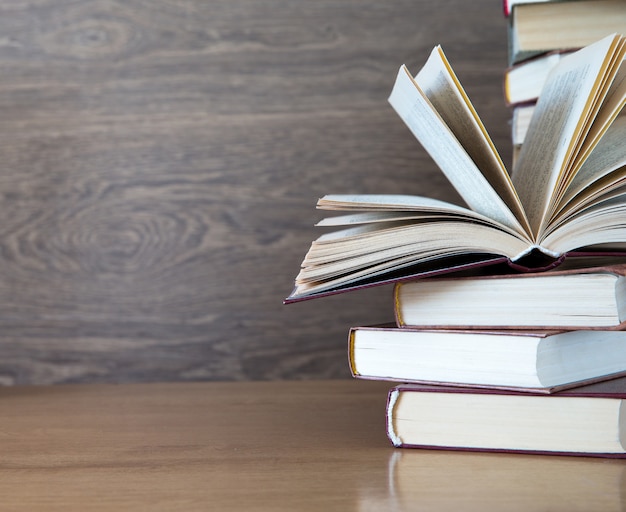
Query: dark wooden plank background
160,163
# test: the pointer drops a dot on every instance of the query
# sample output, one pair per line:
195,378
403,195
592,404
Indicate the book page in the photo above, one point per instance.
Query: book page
382,201
609,110
604,223
556,125
385,208
608,156
611,98
364,251
431,131
441,86
600,193
388,202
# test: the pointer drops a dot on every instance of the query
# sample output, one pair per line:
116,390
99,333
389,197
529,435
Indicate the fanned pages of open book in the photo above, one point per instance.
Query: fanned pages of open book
565,196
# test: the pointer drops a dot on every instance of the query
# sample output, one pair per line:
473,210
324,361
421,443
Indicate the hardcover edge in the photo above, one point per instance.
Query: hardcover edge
446,270
392,398
493,388
351,363
292,299
603,455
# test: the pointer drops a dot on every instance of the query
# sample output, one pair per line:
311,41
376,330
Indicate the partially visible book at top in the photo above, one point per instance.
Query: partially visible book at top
508,5
564,198
540,33
539,27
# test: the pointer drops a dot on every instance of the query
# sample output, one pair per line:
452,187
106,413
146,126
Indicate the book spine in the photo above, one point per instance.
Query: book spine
392,398
351,364
396,305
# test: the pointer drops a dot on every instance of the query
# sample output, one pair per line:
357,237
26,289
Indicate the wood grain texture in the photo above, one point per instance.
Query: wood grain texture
261,446
160,165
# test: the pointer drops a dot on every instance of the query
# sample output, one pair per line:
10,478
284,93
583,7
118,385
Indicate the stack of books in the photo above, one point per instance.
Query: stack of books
511,363
509,311
540,34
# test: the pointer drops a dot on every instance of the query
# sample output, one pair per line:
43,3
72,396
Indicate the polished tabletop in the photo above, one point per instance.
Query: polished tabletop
261,446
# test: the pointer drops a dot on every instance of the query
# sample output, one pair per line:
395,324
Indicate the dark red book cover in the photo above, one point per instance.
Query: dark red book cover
473,265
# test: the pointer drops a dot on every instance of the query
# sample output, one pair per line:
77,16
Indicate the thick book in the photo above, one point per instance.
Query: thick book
540,27
533,361
589,420
589,298
563,198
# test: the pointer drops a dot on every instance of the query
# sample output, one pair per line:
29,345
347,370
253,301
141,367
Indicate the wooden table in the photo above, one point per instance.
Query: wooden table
296,446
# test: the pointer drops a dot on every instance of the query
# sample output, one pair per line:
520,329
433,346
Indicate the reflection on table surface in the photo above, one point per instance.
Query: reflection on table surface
261,446
427,480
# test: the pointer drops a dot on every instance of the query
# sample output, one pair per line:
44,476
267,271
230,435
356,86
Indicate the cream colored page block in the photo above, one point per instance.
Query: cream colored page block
506,302
533,423
554,128
611,107
604,109
547,28
440,85
608,156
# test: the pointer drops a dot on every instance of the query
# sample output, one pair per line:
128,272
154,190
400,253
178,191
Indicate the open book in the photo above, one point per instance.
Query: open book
566,193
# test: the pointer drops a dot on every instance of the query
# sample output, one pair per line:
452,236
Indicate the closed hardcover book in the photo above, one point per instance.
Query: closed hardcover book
539,27
591,298
531,361
587,421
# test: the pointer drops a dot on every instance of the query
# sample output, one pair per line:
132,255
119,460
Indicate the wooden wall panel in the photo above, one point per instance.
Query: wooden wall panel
160,163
